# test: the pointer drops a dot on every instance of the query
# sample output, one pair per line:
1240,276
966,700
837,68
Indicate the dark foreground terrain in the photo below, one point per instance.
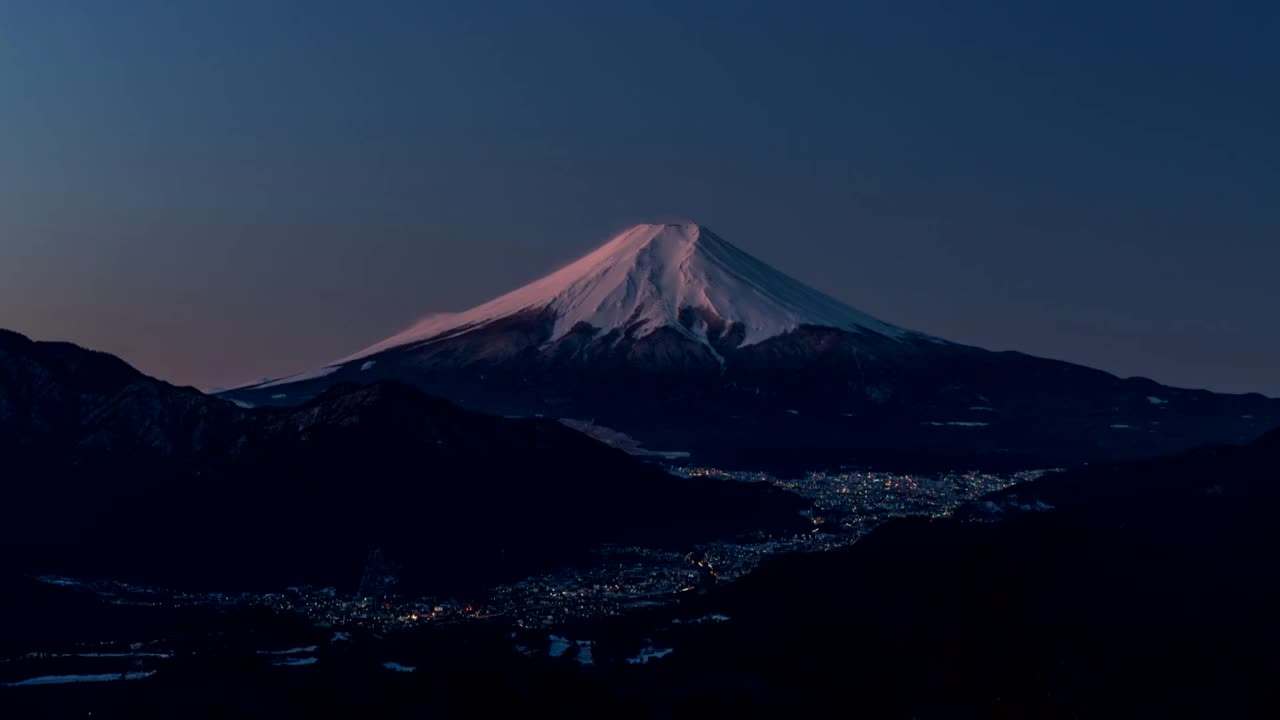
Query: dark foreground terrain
1148,590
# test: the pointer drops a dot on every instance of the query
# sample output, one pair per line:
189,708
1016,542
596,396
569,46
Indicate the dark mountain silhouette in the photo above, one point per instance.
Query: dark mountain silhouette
111,472
1149,591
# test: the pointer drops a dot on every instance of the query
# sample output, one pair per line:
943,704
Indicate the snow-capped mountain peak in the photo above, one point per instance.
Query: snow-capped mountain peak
644,279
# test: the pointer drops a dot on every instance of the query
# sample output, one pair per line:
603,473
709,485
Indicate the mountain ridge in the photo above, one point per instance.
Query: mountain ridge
110,473
669,334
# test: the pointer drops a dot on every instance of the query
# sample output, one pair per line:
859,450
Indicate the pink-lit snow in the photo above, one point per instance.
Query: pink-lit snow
647,275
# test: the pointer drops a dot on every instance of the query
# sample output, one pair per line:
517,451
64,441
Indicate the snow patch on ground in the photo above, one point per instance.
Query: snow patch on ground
368,365
1155,400
559,646
647,654
293,662
397,667
1120,426
291,651
584,653
65,679
956,423
714,618
59,581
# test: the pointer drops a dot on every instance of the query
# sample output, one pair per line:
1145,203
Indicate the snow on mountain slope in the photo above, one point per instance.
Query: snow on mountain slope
643,278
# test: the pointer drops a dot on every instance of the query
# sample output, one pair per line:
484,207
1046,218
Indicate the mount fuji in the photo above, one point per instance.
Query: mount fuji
656,278
668,337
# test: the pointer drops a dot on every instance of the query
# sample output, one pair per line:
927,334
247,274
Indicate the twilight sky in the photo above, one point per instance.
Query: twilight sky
221,191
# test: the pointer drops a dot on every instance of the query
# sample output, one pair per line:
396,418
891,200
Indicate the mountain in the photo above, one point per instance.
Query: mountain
672,336
57,399
110,473
673,281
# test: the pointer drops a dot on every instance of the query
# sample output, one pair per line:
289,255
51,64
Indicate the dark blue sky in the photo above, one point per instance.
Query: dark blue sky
225,190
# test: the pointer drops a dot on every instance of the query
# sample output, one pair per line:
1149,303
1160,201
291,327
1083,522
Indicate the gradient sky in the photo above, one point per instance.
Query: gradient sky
222,191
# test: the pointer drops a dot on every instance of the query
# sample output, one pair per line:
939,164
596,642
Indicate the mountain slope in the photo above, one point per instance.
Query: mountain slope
115,473
682,277
671,335
59,398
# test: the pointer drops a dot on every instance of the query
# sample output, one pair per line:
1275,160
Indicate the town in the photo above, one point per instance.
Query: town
845,506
